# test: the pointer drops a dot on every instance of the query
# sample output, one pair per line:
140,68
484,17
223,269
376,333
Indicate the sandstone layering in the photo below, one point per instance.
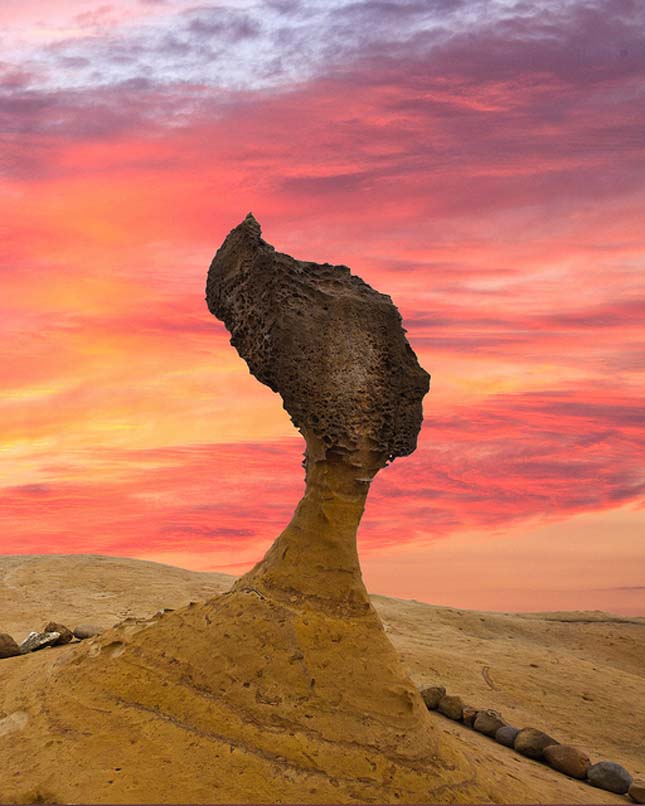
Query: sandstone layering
592,653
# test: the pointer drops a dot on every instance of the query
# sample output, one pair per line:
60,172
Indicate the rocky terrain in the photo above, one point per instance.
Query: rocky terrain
577,676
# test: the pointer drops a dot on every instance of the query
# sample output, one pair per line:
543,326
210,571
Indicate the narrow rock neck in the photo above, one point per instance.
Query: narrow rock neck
316,556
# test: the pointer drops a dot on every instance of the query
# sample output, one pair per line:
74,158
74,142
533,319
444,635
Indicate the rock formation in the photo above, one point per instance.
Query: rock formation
285,688
335,350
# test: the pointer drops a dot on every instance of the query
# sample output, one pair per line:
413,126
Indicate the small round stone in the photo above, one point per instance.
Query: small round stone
8,647
86,631
452,707
432,696
506,735
567,759
609,776
531,742
469,715
488,722
637,791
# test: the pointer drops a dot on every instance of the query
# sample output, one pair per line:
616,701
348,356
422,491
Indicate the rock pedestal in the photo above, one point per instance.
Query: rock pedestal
286,688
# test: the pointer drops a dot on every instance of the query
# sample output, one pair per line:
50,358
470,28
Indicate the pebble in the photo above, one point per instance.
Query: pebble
8,647
38,640
432,695
506,735
469,715
488,722
86,631
451,706
66,634
609,776
637,791
531,742
567,759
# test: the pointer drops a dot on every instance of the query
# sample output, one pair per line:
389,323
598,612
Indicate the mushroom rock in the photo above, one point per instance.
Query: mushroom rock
285,688
335,350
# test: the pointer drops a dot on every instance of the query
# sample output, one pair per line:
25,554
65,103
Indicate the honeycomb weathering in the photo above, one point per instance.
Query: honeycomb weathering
332,346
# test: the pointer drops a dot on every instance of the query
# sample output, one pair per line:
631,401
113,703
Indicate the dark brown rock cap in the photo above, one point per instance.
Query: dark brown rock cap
328,343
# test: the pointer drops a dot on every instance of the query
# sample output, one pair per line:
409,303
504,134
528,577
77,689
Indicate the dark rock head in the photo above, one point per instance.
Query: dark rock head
328,343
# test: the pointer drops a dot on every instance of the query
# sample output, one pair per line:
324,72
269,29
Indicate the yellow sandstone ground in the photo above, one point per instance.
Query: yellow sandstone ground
579,676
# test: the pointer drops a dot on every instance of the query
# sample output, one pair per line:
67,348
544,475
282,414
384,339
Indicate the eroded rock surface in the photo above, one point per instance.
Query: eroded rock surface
332,346
335,350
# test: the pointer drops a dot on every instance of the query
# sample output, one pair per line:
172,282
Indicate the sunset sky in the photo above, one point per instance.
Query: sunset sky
481,161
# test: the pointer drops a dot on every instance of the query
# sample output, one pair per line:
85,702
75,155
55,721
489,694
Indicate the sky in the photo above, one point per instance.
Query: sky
481,161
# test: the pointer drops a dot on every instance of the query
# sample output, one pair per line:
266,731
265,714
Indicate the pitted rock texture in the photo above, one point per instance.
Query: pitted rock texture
331,345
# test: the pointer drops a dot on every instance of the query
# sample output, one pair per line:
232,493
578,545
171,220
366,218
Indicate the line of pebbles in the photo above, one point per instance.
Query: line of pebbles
52,634
536,744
